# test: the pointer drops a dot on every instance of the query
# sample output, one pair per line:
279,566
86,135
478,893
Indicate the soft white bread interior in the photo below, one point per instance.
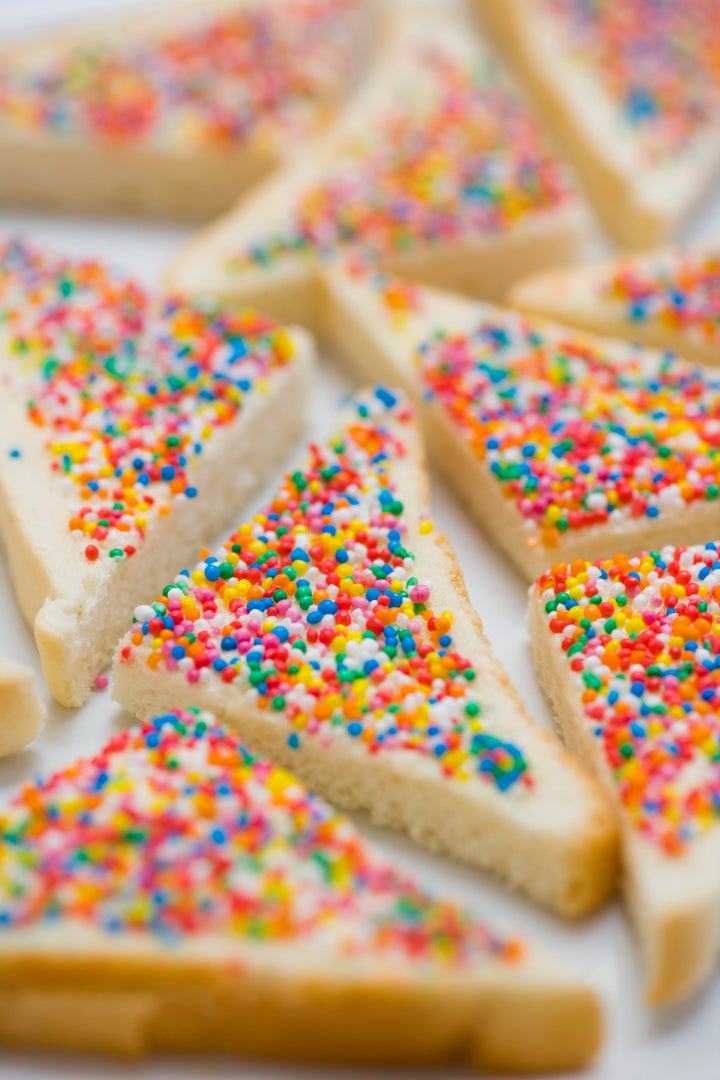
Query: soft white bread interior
632,297
239,914
382,327
547,833
22,710
264,254
169,173
673,899
641,198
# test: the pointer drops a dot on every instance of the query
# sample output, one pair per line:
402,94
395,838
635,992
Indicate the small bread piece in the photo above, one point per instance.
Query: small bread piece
563,445
628,653
334,632
179,893
170,113
436,170
669,299
129,433
631,91
22,711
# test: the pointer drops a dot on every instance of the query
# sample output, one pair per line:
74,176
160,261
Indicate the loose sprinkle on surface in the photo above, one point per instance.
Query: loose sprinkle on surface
175,829
126,389
642,641
314,611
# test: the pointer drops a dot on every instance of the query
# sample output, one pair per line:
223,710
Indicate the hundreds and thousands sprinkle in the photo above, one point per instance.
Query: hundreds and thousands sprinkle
314,610
124,389
174,829
679,292
575,434
215,81
658,61
642,641
454,153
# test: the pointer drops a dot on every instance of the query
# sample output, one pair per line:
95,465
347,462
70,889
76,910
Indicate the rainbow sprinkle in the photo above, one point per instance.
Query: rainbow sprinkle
679,292
126,389
454,153
215,81
175,829
642,641
658,60
313,610
577,436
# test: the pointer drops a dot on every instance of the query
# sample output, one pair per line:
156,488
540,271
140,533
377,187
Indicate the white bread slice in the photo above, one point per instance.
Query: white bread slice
669,299
650,736
119,407
22,711
389,700
179,893
437,170
631,97
173,112
529,420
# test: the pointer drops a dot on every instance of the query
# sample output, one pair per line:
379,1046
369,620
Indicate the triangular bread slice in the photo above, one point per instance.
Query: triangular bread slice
633,98
334,632
562,444
437,169
129,433
179,893
669,299
172,112
627,652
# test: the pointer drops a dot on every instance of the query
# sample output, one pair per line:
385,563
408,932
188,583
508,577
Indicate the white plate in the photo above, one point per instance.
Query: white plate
602,948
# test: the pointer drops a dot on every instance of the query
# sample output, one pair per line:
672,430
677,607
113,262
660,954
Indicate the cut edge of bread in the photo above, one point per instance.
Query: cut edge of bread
673,901
77,610
22,710
569,869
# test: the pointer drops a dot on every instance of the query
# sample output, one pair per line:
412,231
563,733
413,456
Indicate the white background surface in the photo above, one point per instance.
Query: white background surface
666,1046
